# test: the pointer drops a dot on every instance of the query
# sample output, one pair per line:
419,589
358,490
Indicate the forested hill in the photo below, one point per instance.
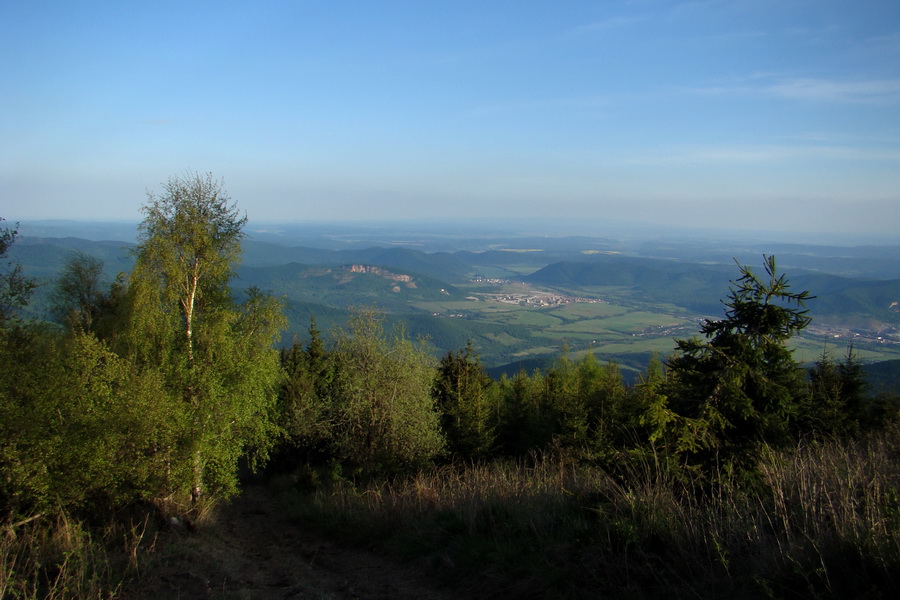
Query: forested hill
522,301
438,265
694,286
45,257
700,286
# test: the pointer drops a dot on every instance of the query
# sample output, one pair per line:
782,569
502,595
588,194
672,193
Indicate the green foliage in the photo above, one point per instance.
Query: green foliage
76,299
523,426
361,408
305,395
79,425
646,396
383,416
606,398
190,244
468,401
835,402
736,390
15,288
215,357
79,302
575,404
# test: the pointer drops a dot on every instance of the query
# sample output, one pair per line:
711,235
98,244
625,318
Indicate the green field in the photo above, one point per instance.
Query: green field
589,310
626,323
611,330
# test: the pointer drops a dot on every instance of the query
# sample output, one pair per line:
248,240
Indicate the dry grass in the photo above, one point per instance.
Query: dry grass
58,556
825,522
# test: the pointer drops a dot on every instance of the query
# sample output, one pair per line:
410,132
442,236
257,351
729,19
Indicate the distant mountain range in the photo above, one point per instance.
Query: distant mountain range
696,286
429,289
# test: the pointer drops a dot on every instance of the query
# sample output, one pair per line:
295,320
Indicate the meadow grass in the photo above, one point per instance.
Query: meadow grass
56,557
824,521
101,555
632,322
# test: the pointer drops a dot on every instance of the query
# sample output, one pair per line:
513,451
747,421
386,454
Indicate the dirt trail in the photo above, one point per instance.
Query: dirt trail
254,552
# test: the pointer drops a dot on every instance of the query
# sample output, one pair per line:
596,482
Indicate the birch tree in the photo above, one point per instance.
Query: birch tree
216,356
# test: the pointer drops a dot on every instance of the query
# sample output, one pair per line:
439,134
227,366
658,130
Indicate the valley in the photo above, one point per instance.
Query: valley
521,299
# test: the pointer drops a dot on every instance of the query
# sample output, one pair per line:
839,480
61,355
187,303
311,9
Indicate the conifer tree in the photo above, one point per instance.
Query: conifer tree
465,396
835,399
738,388
305,396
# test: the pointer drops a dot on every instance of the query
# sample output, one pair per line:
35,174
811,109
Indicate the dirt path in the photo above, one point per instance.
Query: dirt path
254,552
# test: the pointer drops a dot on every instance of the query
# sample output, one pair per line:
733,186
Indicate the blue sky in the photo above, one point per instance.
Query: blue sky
780,115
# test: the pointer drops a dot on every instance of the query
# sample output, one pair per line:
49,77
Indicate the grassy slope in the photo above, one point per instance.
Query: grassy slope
824,525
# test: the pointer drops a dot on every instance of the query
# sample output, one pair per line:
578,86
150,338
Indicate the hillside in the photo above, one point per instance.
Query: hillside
700,286
522,300
440,265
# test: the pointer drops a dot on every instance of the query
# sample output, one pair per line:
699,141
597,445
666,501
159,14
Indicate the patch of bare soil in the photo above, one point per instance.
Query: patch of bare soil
253,551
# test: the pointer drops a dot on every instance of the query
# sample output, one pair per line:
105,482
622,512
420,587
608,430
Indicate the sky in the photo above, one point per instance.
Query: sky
779,115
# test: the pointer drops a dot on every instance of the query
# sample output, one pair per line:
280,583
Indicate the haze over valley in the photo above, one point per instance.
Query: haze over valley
521,299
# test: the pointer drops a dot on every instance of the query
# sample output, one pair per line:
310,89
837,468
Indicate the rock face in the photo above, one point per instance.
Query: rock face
380,272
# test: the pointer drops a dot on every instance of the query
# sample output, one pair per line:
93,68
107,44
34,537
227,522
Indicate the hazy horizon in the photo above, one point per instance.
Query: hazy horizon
97,230
767,116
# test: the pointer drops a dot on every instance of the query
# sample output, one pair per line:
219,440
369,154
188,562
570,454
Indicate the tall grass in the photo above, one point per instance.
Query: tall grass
824,522
57,557
836,510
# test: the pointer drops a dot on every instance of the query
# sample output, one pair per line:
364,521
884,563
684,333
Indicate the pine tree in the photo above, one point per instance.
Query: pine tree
305,396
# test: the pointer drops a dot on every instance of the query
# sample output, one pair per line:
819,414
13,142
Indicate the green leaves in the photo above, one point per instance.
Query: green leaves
15,288
216,357
468,401
80,425
383,415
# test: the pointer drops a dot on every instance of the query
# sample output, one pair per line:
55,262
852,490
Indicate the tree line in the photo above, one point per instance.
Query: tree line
164,387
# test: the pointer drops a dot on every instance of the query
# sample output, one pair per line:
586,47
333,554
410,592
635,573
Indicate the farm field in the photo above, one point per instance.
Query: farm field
607,329
611,322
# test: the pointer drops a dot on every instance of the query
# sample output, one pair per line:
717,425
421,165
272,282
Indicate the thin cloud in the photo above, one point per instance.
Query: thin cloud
824,90
756,154
876,91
